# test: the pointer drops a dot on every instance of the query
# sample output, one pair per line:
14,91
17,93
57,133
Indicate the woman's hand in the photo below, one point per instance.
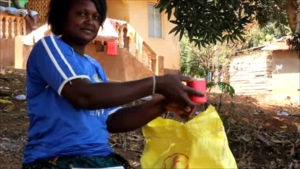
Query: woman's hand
184,112
176,92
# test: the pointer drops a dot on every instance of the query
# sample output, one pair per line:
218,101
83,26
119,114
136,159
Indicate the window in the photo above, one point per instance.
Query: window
155,23
5,3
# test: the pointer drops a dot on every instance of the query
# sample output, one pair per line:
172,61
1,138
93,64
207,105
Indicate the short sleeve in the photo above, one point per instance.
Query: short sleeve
55,63
113,110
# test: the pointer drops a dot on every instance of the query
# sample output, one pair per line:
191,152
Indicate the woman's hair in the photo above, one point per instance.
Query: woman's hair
59,10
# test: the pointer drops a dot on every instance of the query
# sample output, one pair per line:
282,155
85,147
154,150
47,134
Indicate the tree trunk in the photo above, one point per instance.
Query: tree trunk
292,12
298,17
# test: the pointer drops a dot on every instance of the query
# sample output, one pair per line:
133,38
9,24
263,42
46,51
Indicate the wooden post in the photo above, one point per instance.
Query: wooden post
122,40
136,54
1,22
12,19
18,25
118,32
6,20
24,26
126,40
144,55
161,67
129,46
150,63
153,62
18,53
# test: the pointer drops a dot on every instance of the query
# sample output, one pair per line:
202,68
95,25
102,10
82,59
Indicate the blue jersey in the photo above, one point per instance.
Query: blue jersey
56,127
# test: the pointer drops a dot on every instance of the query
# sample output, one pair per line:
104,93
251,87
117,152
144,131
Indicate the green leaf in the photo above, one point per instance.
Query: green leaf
210,85
181,34
174,29
163,5
174,22
169,12
226,88
191,34
241,38
177,31
160,4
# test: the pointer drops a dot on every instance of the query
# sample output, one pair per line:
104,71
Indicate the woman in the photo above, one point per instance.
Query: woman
71,105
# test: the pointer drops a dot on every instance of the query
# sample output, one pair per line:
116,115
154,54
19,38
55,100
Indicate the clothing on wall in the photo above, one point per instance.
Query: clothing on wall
130,31
112,48
139,43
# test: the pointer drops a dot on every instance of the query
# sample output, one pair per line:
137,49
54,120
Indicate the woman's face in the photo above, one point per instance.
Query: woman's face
83,22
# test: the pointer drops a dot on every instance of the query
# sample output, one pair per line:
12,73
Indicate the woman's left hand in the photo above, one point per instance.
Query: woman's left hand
186,113
176,108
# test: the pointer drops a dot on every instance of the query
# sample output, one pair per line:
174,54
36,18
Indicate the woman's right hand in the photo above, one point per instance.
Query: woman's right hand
173,89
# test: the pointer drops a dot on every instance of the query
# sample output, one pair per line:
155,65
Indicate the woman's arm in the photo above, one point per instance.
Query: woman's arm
86,95
131,118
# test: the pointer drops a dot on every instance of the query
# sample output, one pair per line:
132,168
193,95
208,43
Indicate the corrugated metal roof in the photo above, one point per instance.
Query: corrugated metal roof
279,45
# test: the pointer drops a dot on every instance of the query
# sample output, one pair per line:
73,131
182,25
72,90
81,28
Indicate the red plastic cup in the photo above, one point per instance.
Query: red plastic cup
200,85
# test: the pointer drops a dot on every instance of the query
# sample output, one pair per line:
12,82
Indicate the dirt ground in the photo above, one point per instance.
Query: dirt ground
258,137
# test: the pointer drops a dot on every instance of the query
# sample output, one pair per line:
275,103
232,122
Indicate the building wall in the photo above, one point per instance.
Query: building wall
117,9
123,67
250,73
286,81
7,56
168,46
13,54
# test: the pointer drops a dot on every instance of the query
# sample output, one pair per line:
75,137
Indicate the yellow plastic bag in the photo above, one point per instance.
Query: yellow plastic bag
199,143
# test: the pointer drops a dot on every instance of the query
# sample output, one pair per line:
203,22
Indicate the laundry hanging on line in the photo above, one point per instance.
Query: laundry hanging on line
139,43
112,48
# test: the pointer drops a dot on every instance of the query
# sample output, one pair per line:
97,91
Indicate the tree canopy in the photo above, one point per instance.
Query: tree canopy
209,21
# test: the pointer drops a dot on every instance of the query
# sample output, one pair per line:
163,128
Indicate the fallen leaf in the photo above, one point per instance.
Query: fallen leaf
297,144
135,138
112,140
277,141
298,127
6,139
135,164
16,81
5,101
292,151
9,108
283,127
246,138
4,79
261,138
